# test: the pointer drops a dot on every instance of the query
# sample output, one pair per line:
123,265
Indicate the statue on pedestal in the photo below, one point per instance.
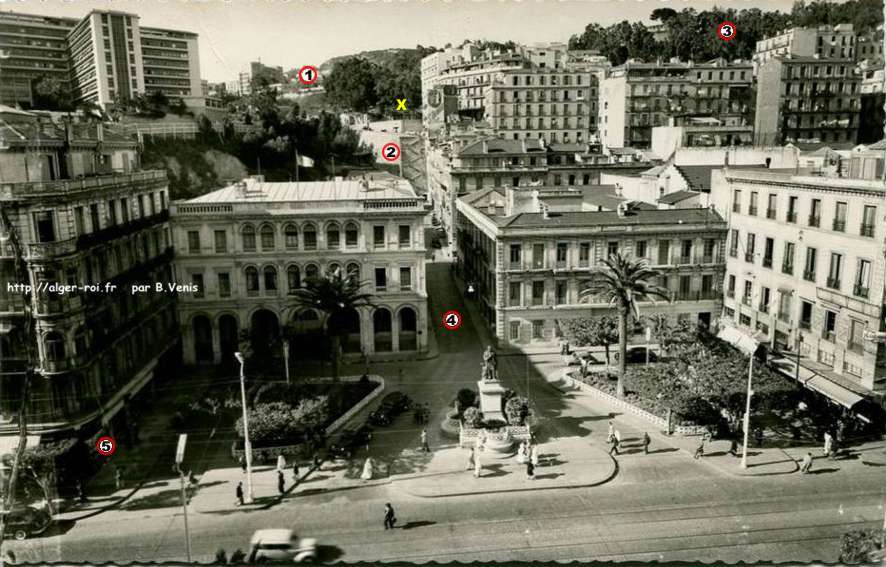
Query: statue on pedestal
490,370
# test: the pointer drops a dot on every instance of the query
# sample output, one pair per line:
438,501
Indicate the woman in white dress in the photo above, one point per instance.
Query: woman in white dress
367,469
533,456
521,454
281,462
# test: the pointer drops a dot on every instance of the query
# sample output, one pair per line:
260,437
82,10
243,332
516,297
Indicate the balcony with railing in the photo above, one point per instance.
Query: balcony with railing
839,225
829,336
791,216
861,291
771,213
733,252
833,283
148,178
787,269
763,308
809,275
752,211
109,233
749,257
736,207
867,230
767,261
814,221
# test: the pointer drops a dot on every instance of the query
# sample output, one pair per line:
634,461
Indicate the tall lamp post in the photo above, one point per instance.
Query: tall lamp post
286,358
247,445
747,412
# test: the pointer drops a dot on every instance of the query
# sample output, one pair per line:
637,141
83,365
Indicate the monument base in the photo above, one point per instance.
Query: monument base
490,400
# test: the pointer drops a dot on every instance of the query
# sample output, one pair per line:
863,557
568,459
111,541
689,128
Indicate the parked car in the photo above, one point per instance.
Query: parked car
391,406
28,521
351,440
280,545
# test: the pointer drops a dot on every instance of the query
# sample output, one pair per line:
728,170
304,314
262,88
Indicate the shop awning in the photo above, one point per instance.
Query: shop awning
9,443
742,341
843,396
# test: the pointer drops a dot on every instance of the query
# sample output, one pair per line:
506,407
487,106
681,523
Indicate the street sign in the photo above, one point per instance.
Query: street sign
308,75
180,450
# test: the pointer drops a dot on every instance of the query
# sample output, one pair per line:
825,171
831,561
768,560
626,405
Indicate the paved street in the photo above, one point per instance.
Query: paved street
665,506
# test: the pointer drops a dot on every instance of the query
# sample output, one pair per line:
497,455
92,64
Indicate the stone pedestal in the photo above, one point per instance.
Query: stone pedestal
490,400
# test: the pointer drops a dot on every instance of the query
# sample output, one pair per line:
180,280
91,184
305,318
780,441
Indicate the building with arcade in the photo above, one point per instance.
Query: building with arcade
248,246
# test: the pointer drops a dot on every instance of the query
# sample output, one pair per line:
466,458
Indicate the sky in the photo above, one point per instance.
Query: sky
292,33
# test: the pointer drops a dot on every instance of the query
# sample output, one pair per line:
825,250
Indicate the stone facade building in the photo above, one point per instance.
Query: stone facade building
247,246
79,212
530,254
806,268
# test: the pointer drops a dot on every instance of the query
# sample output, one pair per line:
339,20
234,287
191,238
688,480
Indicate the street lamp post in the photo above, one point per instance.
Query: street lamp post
286,358
747,413
247,445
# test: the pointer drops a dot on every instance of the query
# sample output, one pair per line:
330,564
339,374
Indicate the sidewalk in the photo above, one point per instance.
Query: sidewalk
762,461
564,463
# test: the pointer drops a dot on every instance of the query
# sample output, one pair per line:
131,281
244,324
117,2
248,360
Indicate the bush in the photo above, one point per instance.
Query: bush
278,422
858,546
494,424
472,417
466,398
517,410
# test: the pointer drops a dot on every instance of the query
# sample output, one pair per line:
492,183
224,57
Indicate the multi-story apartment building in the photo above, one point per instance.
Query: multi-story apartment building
491,162
870,46
78,212
806,266
824,42
101,57
805,99
246,247
556,105
637,97
529,263
529,92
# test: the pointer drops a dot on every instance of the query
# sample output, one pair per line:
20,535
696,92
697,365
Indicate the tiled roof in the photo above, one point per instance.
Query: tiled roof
677,196
611,218
308,191
498,145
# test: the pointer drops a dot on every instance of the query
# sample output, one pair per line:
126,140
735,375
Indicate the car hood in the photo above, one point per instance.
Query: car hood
307,543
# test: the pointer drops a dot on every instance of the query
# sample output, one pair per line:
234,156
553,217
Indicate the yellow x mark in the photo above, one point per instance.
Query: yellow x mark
401,104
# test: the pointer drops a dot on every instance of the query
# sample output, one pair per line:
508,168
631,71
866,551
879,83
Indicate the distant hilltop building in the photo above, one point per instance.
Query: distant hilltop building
102,56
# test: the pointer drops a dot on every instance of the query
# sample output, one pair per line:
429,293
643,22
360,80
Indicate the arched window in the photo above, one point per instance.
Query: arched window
290,235
310,235
293,278
248,239
311,271
333,269
351,235
267,237
251,280
55,346
353,271
333,237
270,278
80,342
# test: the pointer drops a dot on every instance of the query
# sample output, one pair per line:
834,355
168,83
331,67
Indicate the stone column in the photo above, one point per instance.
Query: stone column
189,352
216,342
395,331
367,333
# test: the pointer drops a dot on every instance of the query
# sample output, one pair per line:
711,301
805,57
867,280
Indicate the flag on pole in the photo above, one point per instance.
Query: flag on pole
304,161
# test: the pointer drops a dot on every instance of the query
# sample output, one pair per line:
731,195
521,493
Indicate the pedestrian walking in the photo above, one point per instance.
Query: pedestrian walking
478,467
530,469
367,469
758,436
281,463
618,436
835,448
733,447
239,493
424,441
118,478
317,461
521,453
295,478
81,493
390,518
611,430
471,459
281,483
533,456
699,451
806,464
646,442
243,463
614,445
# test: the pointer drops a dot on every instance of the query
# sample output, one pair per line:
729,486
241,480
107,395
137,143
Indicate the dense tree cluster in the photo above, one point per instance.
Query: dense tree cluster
356,83
692,35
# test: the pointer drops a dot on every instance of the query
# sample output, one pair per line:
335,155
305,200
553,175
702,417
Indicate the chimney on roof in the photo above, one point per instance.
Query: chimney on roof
490,208
622,209
485,146
100,131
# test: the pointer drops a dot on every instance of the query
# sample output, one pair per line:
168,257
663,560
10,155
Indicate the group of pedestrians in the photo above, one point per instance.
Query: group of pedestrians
281,479
613,439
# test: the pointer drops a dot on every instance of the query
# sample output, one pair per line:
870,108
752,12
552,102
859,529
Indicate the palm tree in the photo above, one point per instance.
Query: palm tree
333,296
623,283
